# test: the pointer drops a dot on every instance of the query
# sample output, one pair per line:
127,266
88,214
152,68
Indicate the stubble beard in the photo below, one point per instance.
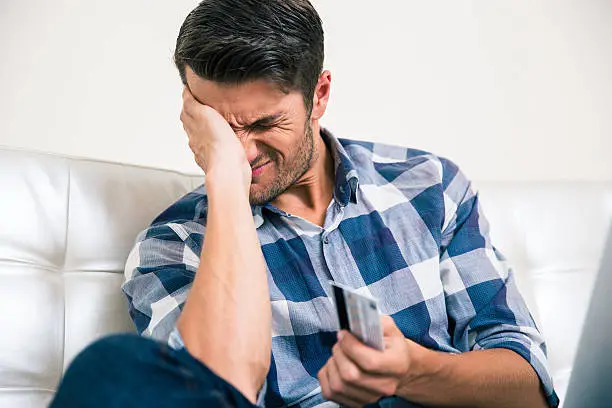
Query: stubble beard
302,158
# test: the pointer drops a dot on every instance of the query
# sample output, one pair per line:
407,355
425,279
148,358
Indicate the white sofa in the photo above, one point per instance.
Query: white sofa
66,226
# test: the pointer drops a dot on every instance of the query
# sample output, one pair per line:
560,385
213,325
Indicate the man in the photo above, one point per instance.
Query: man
233,276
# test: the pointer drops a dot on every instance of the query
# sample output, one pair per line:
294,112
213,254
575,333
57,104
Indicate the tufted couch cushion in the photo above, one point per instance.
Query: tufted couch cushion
67,228
68,225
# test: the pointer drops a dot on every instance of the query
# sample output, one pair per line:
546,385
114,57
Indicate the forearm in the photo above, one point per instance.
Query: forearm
226,319
484,378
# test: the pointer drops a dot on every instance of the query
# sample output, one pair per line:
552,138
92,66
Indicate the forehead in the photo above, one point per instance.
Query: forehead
246,101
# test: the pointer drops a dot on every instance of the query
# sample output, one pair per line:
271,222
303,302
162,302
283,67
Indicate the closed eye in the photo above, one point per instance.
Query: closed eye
264,124
259,128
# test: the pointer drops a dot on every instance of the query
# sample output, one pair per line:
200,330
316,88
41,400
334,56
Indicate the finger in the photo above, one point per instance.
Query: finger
323,382
353,379
388,326
186,93
370,387
368,359
348,369
184,96
340,392
375,384
189,108
184,117
187,129
189,102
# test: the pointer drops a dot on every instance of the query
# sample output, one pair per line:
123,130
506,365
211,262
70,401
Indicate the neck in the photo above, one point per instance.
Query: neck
310,196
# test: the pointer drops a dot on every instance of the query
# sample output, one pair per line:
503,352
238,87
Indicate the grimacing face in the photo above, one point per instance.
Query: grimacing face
272,127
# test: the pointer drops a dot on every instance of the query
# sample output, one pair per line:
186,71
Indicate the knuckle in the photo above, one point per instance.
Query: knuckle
336,387
335,384
398,370
186,94
350,375
370,364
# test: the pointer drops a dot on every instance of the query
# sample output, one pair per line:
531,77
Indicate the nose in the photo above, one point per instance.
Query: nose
250,147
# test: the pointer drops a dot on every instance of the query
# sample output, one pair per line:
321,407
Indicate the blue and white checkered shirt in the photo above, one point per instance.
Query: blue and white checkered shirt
404,226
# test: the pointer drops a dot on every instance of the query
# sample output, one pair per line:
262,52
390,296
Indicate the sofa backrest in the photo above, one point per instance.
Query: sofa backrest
66,227
68,224
553,235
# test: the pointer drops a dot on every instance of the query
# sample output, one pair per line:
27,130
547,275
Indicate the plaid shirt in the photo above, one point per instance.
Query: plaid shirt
404,226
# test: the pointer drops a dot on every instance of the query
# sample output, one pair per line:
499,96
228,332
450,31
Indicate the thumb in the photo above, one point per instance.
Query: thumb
388,326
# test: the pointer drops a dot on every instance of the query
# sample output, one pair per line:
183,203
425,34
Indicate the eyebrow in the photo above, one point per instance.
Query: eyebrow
264,121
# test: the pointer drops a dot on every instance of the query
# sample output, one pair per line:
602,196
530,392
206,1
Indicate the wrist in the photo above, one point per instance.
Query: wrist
229,172
224,182
424,364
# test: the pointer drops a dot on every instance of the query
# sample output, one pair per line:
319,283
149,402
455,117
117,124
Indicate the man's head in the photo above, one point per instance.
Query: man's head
259,63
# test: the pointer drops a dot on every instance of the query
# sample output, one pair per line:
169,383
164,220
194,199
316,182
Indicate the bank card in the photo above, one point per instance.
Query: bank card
358,314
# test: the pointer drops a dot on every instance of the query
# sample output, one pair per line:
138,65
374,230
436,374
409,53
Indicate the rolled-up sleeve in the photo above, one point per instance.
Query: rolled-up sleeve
484,305
159,273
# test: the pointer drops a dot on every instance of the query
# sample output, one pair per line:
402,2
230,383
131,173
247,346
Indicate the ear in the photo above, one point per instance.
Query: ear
321,95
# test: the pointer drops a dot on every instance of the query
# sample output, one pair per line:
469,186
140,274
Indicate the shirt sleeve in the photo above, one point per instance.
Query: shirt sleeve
159,273
484,305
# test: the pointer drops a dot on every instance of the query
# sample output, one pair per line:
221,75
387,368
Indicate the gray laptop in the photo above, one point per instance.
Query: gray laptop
590,383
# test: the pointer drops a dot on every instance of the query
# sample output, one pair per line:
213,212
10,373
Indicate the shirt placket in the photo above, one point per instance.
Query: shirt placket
331,242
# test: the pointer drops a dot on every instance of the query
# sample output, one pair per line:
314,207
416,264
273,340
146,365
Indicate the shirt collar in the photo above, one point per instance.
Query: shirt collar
346,180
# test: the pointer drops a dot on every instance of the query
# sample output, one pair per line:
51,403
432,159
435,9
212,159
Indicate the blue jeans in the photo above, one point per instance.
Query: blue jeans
127,370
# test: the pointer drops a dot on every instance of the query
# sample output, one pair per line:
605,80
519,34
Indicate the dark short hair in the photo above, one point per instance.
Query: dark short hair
237,41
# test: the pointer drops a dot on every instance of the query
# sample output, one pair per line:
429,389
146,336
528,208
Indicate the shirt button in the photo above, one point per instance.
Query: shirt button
326,240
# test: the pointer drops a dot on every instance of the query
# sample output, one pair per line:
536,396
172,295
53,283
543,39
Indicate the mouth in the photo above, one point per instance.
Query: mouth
256,171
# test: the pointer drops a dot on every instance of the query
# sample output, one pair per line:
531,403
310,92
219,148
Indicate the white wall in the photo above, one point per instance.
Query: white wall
509,89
